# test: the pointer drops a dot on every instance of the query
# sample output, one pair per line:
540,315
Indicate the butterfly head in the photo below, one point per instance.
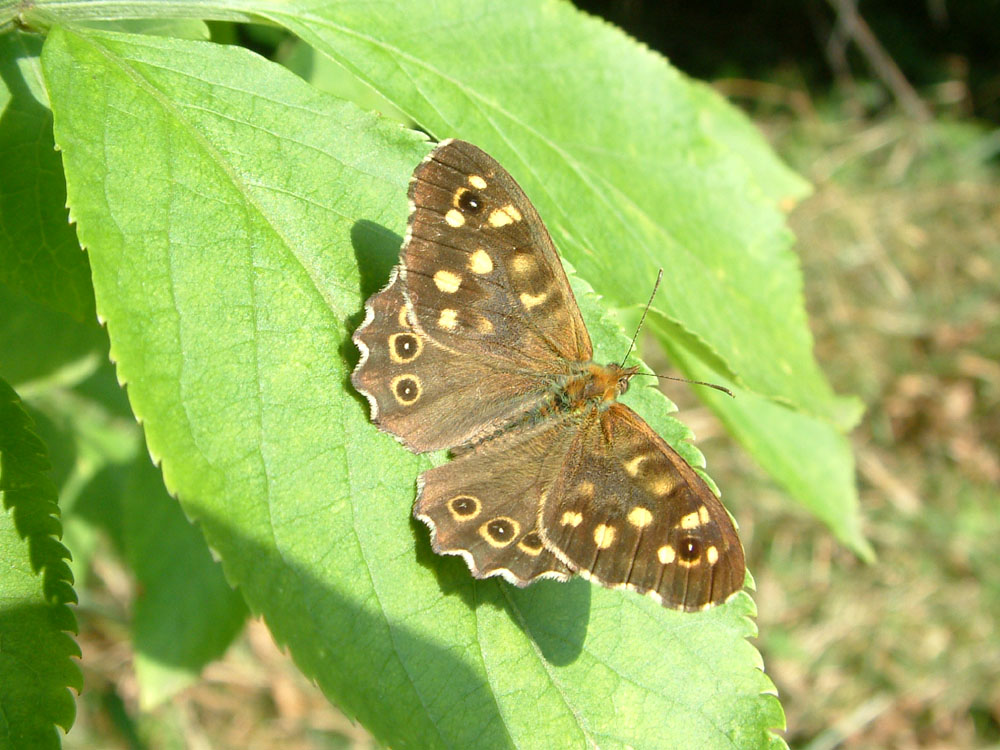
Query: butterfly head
606,383
623,376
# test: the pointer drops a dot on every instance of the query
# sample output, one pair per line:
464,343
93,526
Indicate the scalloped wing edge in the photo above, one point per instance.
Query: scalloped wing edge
504,573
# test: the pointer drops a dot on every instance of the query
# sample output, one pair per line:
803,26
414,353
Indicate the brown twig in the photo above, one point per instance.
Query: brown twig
851,24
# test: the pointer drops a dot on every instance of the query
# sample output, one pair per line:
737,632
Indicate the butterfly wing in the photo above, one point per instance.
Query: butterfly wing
483,504
479,318
481,272
427,395
628,512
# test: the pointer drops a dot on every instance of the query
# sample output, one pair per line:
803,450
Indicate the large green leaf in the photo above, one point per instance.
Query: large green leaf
632,165
667,173
36,668
236,219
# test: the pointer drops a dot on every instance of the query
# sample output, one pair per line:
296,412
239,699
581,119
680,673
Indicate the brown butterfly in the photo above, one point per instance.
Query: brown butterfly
477,345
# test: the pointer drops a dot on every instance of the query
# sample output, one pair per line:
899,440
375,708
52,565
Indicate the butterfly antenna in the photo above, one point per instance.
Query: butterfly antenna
638,328
659,277
696,382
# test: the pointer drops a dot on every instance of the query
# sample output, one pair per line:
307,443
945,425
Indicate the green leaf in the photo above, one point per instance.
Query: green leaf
185,614
36,667
668,175
726,124
39,253
656,171
232,248
42,347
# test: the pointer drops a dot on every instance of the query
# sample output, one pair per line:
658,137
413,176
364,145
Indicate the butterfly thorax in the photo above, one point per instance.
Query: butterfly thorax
595,384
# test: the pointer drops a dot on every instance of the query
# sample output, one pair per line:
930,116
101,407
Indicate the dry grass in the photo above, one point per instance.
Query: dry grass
253,699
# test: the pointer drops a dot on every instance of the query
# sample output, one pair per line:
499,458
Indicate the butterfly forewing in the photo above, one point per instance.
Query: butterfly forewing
481,271
627,511
424,394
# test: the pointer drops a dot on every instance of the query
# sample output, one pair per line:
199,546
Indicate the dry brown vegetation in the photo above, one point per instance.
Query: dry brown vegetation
900,246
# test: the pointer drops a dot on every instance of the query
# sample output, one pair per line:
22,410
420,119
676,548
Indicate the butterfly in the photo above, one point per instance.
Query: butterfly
477,345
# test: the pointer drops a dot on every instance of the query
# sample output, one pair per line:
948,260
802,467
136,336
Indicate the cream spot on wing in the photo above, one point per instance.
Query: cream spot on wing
480,262
703,514
632,465
454,218
666,554
501,217
522,264
533,300
712,554
585,488
447,281
604,536
690,521
662,486
477,182
484,326
448,319
640,517
571,518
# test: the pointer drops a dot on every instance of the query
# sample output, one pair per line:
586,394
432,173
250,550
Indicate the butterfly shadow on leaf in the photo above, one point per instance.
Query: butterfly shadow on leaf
552,614
376,249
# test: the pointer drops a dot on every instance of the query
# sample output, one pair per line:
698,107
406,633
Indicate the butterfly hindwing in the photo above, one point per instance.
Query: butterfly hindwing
481,271
483,505
627,511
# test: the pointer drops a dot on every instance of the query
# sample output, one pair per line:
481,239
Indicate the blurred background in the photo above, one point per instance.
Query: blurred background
892,112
